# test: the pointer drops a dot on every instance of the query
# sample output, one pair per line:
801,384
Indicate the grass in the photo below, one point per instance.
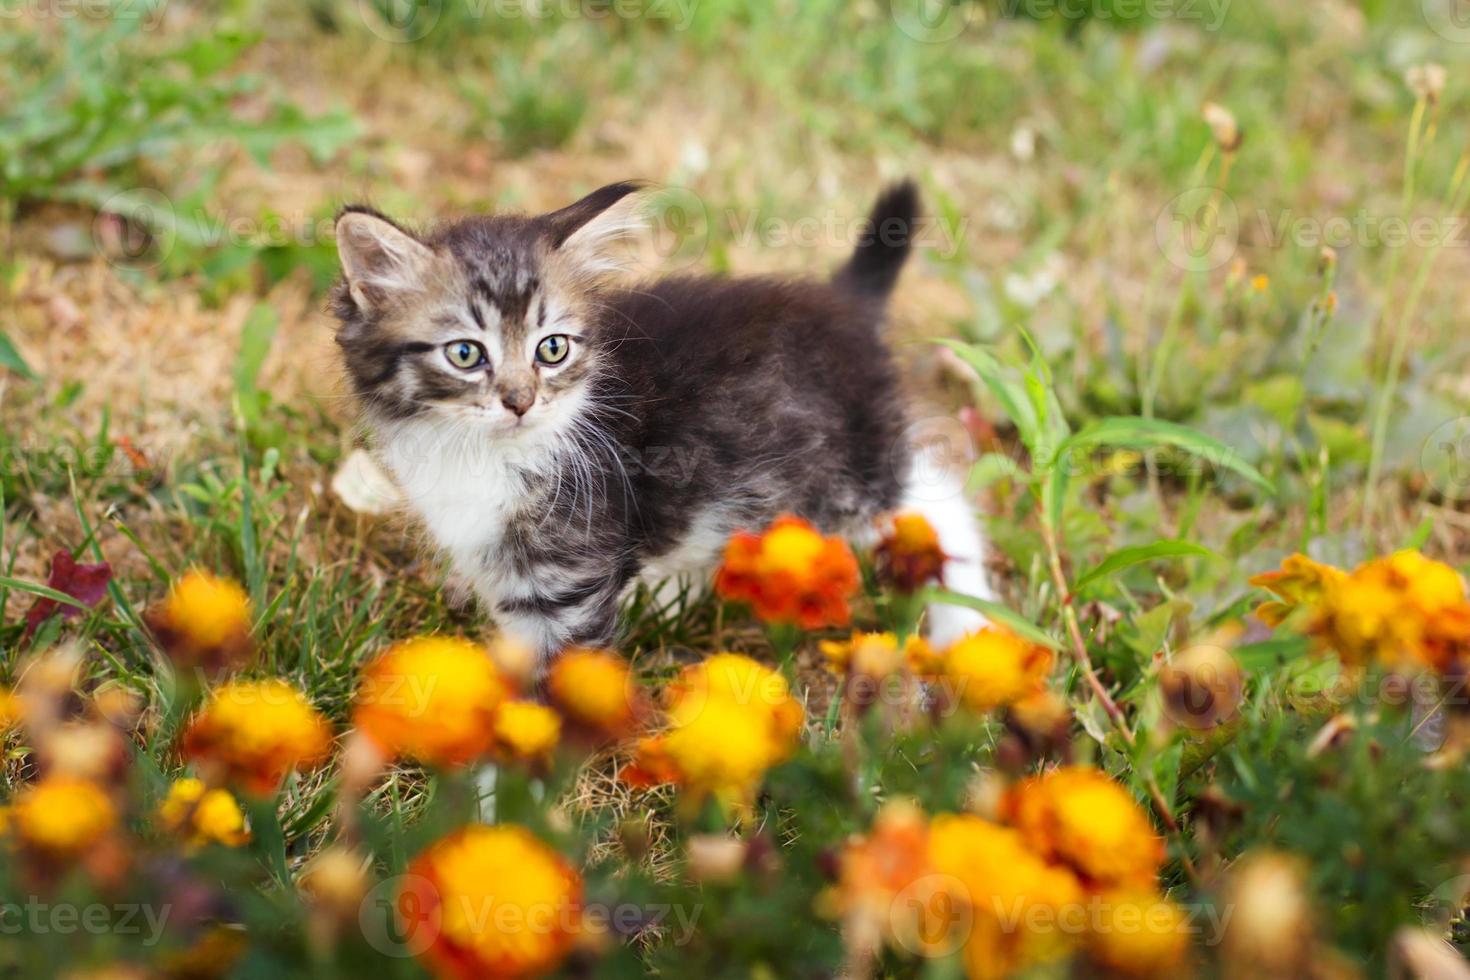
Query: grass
170,396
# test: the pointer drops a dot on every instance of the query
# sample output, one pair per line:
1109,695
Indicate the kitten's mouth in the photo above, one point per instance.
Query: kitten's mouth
489,417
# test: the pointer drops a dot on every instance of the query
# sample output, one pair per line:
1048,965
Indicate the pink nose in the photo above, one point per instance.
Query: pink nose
518,400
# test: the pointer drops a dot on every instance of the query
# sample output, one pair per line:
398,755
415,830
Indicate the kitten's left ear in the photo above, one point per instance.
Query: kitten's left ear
597,220
379,259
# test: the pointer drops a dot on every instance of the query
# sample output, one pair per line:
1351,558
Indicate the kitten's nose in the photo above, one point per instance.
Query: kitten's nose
518,399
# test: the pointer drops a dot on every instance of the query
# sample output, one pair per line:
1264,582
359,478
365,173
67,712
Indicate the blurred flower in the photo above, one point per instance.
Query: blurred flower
874,872
83,750
596,692
1138,933
1426,81
11,713
1270,933
507,905
730,719
1223,127
1301,582
336,879
61,817
1015,897
252,733
874,655
716,857
1078,817
201,815
790,574
204,621
85,583
1260,283
117,706
994,667
909,556
432,699
1201,686
526,731
1041,724
1404,611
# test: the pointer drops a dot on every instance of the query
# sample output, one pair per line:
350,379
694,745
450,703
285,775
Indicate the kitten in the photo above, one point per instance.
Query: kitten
562,435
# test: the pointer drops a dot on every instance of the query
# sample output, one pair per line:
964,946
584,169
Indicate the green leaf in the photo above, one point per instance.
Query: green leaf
20,585
1134,432
10,358
1138,554
1014,399
1014,621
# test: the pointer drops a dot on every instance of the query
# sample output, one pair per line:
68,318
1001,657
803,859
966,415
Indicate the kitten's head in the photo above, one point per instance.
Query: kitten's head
486,322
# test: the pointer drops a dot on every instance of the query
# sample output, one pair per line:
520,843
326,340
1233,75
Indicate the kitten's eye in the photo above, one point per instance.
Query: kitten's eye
465,354
553,350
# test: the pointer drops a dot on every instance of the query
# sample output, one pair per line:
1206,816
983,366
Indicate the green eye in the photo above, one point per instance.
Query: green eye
465,354
554,349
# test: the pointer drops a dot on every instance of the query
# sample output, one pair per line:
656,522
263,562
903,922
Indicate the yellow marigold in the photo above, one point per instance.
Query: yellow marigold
1019,902
204,621
1078,817
507,906
875,655
203,816
596,691
10,710
909,556
1402,611
790,574
730,719
255,732
1300,582
61,817
1136,932
526,731
994,667
432,699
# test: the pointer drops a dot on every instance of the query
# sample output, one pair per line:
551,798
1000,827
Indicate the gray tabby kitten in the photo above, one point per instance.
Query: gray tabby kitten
562,435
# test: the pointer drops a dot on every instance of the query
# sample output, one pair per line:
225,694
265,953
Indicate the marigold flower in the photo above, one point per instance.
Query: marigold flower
202,815
526,731
507,906
1402,611
874,871
994,667
790,574
1016,898
432,699
204,621
1136,932
1272,933
730,719
336,879
596,691
1300,582
1078,817
61,817
875,655
909,555
255,732
11,713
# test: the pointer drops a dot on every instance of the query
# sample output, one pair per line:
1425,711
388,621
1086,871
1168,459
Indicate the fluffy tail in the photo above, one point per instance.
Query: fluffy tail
885,243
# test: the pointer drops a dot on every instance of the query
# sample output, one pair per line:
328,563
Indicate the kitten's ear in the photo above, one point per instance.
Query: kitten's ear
589,226
379,259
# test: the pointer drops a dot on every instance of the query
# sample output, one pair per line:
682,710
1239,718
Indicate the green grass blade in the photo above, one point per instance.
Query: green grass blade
1137,555
1134,432
1014,621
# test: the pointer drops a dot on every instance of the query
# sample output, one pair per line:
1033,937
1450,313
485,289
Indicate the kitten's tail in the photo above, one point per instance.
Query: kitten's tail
885,243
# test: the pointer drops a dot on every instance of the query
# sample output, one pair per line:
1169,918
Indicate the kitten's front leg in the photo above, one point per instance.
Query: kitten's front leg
548,620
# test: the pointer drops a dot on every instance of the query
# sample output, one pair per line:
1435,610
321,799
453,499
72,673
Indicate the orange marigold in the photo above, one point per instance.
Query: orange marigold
204,622
1300,582
596,691
526,731
1016,900
877,872
909,556
1078,817
1135,932
994,667
61,817
431,699
252,733
504,904
790,574
1403,611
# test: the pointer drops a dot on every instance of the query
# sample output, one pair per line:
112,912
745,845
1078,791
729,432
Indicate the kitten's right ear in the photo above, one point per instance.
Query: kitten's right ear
379,259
